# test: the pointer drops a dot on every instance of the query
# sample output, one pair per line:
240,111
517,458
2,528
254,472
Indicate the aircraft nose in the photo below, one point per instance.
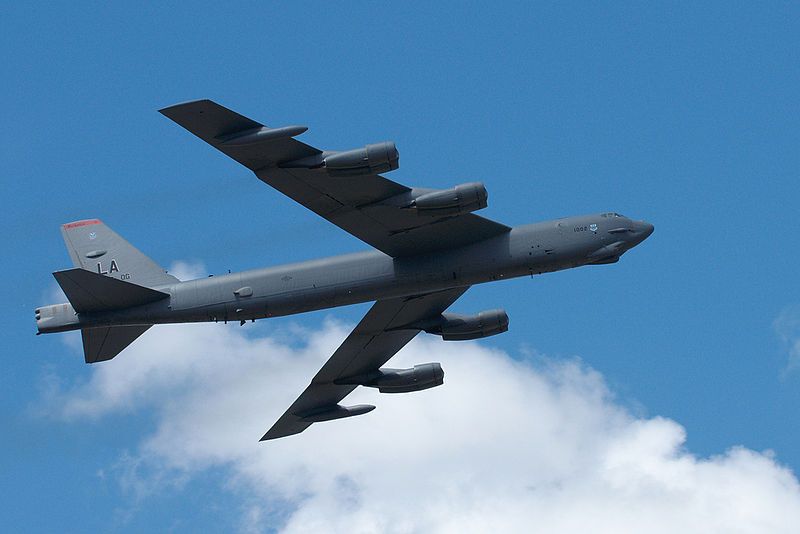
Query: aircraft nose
643,230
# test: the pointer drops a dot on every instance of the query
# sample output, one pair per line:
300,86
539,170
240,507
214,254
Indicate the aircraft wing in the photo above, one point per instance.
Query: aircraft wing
379,336
367,206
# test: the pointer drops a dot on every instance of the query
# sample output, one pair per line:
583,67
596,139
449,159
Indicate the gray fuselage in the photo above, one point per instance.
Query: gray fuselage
372,275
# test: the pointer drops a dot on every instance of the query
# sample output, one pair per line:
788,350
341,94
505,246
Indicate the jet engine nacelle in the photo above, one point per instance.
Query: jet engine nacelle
464,198
372,159
454,327
419,377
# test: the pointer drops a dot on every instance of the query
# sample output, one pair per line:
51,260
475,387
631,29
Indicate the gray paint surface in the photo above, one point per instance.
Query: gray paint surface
428,254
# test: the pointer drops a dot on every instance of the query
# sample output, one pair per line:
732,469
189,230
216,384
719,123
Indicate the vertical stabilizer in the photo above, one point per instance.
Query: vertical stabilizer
95,247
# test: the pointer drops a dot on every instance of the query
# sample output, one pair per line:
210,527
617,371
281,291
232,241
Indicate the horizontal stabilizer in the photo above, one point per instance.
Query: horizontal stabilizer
88,291
101,344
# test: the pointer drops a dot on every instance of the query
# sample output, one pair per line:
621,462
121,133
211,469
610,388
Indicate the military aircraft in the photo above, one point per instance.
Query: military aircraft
430,248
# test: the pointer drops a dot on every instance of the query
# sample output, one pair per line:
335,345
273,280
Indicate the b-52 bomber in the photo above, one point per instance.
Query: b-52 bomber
430,248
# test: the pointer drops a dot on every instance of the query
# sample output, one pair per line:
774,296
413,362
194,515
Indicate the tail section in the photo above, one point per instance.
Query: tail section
95,247
93,292
101,344
109,274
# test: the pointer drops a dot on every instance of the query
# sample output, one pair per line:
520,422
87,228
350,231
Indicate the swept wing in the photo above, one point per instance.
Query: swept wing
368,206
386,329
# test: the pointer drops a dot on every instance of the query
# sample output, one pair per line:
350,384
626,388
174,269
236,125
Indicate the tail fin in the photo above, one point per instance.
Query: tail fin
95,247
101,344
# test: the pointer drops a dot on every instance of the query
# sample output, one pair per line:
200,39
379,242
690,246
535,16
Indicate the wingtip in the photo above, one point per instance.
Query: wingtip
279,432
271,434
164,110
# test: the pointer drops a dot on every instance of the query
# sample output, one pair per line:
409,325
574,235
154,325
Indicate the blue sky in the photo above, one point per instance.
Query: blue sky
684,115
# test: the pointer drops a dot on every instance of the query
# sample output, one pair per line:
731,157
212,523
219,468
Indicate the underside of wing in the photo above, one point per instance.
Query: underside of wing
388,326
345,187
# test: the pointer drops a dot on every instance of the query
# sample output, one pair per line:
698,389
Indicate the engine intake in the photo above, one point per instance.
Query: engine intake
372,159
419,377
454,327
464,198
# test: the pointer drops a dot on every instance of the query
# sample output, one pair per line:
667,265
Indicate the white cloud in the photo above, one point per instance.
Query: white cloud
184,270
504,445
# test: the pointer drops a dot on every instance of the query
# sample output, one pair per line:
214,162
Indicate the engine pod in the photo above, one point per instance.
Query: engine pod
463,198
453,327
372,159
419,377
